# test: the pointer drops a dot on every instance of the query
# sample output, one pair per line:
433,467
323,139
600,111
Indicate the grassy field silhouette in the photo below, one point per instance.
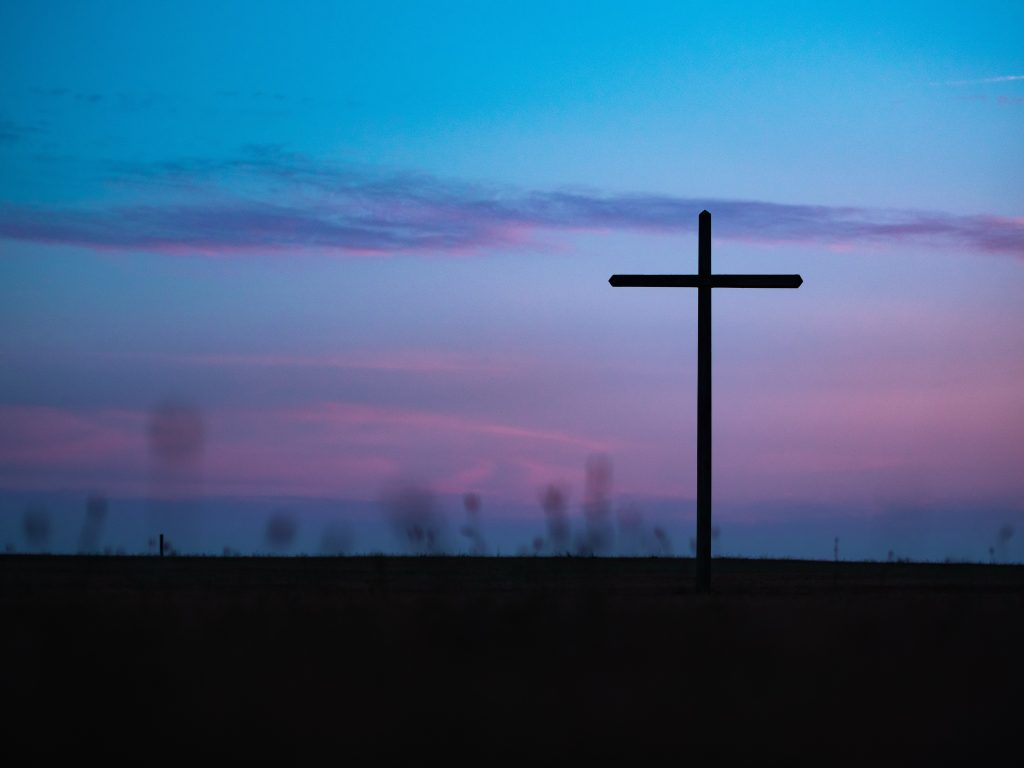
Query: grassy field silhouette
467,657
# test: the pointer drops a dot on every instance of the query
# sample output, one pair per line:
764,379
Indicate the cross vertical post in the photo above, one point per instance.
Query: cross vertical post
704,281
704,405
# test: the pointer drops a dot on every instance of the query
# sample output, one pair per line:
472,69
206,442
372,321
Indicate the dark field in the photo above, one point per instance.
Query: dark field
482,658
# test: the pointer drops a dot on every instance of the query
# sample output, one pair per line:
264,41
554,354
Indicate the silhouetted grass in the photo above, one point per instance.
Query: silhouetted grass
468,657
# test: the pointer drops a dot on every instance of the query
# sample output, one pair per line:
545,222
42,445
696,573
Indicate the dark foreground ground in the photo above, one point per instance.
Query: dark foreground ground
475,659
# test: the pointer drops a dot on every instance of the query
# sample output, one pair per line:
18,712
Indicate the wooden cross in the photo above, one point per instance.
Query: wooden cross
704,281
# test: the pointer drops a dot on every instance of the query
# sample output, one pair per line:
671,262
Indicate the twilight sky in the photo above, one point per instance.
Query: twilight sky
264,250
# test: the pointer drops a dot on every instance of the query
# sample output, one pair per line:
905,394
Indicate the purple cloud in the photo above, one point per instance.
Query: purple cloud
270,200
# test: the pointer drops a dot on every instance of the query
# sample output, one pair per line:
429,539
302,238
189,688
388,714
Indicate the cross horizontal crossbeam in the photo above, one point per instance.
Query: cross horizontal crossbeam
705,281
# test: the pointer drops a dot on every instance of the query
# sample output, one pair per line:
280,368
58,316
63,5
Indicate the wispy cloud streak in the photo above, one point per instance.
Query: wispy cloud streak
983,80
396,361
271,201
12,131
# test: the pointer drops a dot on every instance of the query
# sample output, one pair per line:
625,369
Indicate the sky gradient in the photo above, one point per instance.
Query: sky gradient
251,251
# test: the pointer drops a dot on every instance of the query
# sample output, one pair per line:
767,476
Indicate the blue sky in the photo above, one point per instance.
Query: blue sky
806,102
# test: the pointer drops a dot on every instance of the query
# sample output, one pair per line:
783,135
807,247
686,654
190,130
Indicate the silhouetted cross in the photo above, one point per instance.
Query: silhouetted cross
704,281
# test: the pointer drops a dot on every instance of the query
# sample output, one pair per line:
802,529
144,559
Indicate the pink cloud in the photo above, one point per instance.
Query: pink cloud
344,415
40,436
324,449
